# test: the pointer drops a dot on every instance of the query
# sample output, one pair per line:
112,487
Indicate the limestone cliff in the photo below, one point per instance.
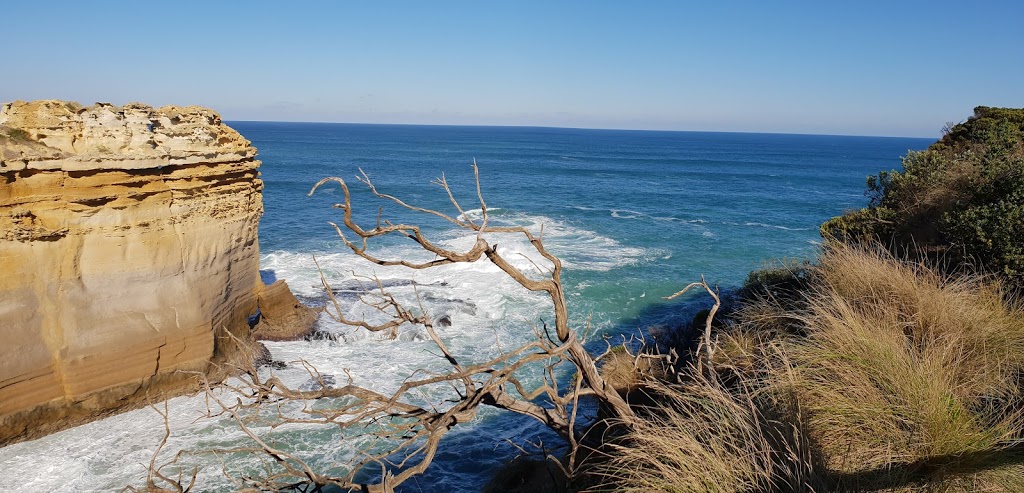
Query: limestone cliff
128,242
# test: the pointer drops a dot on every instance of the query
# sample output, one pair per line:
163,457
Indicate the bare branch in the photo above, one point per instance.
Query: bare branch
411,426
706,340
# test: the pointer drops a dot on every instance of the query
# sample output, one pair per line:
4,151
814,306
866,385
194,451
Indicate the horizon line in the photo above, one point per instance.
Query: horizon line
555,127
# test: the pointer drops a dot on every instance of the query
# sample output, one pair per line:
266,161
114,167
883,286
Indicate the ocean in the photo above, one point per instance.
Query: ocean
634,215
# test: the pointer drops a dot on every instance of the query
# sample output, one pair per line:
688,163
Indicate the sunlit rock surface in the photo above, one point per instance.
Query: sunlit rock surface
282,316
128,243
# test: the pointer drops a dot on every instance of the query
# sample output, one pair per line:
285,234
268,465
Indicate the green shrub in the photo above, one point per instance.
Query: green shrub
783,280
959,203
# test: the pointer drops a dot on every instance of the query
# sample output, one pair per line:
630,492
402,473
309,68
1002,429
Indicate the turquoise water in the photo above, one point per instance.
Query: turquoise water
634,215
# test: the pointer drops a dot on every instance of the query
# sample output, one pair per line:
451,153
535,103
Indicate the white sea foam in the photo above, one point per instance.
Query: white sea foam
775,226
626,214
676,219
112,453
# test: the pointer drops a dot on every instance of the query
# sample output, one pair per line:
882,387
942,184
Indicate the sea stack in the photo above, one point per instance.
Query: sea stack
128,250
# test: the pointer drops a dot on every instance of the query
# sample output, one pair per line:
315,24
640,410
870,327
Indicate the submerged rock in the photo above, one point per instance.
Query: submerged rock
525,475
324,381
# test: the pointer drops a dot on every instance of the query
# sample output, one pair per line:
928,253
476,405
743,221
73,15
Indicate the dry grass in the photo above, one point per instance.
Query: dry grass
705,437
627,372
884,377
903,372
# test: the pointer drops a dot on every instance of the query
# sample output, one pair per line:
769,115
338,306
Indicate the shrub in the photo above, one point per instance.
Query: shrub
784,280
959,203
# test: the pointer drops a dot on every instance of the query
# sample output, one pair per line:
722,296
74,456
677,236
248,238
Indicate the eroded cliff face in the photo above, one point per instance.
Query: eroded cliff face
128,243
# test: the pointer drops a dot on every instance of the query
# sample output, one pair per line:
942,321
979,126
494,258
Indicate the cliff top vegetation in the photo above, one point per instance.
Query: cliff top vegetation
959,204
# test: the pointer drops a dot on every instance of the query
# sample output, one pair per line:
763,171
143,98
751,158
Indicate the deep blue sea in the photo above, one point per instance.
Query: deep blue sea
634,215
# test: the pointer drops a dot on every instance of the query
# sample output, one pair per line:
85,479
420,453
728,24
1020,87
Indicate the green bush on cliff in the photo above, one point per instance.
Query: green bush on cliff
959,202
784,280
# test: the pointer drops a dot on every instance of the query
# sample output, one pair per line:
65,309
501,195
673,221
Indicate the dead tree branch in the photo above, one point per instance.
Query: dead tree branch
705,341
411,427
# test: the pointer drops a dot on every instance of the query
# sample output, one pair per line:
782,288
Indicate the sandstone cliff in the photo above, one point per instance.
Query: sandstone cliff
128,242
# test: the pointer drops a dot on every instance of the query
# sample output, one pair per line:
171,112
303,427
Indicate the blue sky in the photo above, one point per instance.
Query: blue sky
863,68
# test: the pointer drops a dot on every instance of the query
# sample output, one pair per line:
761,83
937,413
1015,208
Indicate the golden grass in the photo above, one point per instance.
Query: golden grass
627,372
704,437
904,371
884,377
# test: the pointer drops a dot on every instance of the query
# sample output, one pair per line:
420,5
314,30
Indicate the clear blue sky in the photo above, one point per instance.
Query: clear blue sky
864,67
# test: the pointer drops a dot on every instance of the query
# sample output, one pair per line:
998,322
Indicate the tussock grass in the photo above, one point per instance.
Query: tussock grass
905,373
882,376
706,437
627,372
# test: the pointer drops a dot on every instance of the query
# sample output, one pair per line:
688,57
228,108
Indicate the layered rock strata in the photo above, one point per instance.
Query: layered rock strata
128,245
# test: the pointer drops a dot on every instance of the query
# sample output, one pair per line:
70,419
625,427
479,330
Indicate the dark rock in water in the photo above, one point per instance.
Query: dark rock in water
262,354
314,301
357,286
326,381
444,321
320,335
524,475
263,358
464,306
